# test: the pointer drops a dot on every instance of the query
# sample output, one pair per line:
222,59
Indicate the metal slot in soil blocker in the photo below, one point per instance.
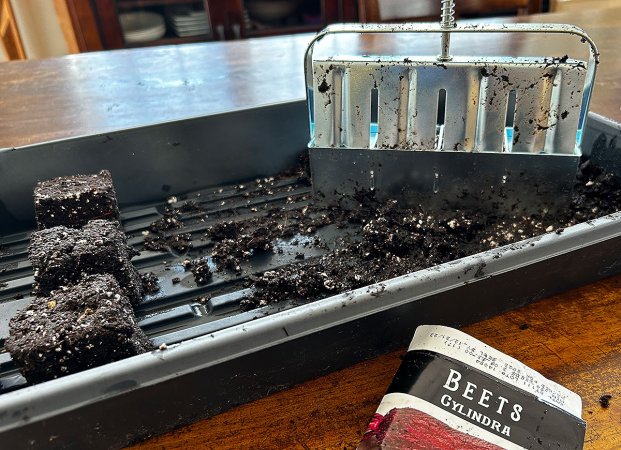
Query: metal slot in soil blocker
219,355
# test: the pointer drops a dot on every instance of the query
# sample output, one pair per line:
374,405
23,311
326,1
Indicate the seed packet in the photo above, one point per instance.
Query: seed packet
455,392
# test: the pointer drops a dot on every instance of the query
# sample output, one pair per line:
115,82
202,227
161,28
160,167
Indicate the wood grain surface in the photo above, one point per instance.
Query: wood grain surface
573,338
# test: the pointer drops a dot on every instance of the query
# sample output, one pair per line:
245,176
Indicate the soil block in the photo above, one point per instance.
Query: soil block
76,328
60,255
74,200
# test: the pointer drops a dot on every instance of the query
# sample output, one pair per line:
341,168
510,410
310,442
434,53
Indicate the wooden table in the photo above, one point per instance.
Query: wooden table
573,338
104,91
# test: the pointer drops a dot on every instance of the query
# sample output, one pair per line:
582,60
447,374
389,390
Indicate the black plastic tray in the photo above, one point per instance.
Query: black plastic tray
225,357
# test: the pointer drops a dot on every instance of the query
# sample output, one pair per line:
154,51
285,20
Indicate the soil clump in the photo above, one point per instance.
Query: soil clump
384,239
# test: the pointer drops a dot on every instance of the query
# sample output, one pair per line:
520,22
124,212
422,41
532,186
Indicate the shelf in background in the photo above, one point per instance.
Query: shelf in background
172,40
130,4
97,26
294,29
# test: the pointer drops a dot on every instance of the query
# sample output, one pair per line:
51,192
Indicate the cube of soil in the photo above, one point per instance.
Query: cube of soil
60,255
74,200
76,328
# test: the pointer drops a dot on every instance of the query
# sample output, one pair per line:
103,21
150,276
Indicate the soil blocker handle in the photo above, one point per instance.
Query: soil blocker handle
374,28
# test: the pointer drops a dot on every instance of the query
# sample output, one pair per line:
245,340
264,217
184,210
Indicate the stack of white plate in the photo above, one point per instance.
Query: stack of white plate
188,22
142,26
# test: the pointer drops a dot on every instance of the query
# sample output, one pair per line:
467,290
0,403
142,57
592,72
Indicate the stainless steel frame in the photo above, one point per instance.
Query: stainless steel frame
489,105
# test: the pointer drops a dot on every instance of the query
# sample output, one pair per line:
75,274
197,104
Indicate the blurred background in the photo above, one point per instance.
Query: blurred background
33,29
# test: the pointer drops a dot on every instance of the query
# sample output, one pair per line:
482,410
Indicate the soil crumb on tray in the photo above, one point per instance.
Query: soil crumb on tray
235,242
200,269
392,241
150,283
178,243
383,240
162,235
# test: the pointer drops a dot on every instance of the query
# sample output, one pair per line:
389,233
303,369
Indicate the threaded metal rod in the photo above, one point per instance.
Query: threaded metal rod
447,22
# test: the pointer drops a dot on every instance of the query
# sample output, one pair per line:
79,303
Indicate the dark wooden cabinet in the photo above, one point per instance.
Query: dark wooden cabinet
106,13
244,18
97,26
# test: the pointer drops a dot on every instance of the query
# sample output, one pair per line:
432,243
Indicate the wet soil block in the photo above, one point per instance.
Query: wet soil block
74,200
75,328
60,255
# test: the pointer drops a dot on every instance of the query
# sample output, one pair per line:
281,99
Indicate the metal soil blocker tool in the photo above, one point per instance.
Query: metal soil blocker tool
497,133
